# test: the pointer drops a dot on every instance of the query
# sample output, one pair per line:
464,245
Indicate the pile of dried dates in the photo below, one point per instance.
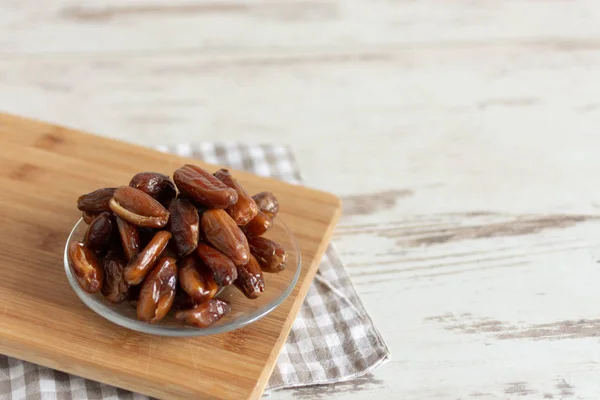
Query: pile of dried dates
164,245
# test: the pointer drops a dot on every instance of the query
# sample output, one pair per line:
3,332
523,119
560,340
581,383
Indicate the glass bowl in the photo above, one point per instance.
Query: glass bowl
244,311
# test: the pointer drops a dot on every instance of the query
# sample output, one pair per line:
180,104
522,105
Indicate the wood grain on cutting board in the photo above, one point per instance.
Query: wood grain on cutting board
44,169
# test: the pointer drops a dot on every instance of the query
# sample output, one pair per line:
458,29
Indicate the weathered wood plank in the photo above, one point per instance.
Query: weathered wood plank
462,136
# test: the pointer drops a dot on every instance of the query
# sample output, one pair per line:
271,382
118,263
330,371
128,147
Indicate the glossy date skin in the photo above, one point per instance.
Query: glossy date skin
97,237
157,185
266,201
137,269
203,188
223,233
130,238
196,279
96,201
223,269
158,291
138,208
184,224
86,266
271,256
115,289
204,314
245,208
250,279
259,225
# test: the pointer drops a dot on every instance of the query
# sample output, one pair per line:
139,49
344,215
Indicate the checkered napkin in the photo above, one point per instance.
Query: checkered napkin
332,339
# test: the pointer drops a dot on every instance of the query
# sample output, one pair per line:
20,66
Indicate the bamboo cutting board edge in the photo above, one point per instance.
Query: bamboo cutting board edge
20,347
303,290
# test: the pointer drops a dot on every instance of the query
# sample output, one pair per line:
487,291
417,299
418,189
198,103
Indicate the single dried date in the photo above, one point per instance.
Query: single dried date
203,188
245,208
223,268
266,201
142,263
204,314
97,236
115,289
158,291
222,232
88,270
271,256
184,224
139,208
250,279
159,186
130,238
96,201
196,279
259,225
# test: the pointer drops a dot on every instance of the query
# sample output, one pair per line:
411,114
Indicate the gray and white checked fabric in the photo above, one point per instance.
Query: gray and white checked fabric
333,338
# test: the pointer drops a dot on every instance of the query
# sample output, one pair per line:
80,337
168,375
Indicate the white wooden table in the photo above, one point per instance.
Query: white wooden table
463,136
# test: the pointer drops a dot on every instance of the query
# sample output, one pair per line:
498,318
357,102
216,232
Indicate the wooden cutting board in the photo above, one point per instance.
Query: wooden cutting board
44,169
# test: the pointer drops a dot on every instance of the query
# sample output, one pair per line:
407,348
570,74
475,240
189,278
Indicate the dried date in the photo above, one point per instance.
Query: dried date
184,224
271,256
159,186
196,279
222,232
138,208
250,279
88,270
203,188
137,269
245,208
259,225
97,236
96,201
224,270
158,291
266,201
204,314
130,238
115,289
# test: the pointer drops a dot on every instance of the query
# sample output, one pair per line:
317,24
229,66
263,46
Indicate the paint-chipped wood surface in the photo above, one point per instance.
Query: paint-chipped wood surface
463,136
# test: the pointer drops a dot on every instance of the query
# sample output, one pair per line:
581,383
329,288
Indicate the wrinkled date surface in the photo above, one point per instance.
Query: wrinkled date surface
184,224
88,270
204,314
202,187
97,236
223,268
250,279
259,225
196,280
96,201
88,217
156,185
140,265
222,232
163,245
138,208
266,201
130,238
115,289
158,291
245,209
271,256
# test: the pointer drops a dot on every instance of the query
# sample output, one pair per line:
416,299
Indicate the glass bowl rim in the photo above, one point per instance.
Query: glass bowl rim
182,331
